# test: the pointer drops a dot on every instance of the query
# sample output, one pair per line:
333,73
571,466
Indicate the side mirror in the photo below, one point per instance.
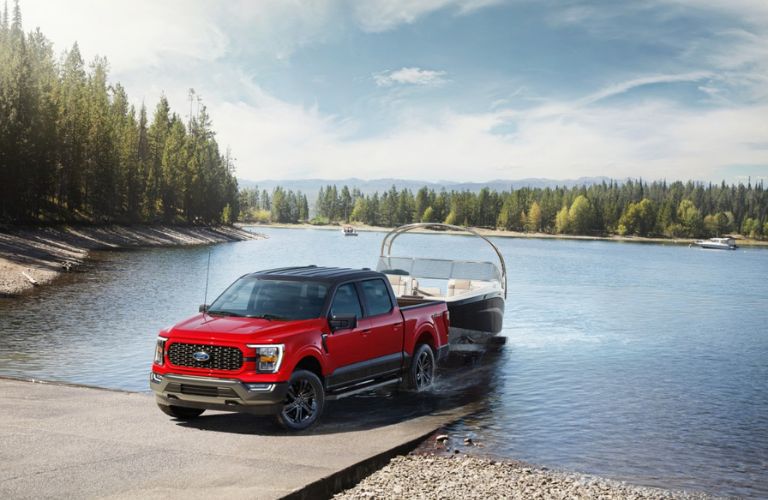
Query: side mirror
342,322
203,308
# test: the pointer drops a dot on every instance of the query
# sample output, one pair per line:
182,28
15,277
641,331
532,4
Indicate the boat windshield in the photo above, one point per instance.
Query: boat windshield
439,268
281,300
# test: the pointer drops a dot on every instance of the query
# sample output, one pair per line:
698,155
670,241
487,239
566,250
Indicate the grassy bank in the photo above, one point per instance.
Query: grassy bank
515,234
32,256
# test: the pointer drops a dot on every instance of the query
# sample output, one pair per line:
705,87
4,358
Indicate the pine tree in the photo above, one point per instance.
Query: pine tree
157,135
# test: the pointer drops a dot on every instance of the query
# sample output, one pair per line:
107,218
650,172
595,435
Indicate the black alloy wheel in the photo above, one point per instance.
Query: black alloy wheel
423,368
304,401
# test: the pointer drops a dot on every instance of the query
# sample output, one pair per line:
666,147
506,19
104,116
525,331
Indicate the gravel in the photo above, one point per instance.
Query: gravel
447,477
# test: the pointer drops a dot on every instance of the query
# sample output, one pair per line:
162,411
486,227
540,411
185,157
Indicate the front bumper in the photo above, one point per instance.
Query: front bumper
218,394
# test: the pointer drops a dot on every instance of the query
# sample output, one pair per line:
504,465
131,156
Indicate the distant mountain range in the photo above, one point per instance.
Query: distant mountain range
311,187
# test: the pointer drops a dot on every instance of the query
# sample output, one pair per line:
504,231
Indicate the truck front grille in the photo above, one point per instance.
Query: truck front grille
220,357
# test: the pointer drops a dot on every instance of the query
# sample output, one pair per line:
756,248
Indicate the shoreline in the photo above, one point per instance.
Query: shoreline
33,256
466,476
500,233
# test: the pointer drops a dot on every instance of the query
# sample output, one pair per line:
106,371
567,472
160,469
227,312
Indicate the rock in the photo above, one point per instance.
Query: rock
442,438
455,476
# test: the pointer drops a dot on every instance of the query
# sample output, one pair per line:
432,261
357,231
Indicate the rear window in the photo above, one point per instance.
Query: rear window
376,297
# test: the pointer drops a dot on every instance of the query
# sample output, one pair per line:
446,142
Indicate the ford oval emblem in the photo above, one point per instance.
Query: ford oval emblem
201,356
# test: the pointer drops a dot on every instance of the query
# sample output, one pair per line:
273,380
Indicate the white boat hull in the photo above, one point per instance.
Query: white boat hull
717,244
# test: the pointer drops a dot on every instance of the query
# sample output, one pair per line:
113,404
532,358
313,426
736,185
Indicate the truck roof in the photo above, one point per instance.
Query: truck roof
314,273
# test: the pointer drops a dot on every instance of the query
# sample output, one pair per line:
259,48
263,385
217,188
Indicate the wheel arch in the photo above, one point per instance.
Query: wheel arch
309,361
425,336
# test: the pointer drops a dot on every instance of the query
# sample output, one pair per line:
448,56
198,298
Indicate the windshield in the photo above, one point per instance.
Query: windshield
271,299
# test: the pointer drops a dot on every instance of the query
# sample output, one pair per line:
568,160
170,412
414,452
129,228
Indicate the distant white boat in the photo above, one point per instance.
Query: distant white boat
717,243
348,231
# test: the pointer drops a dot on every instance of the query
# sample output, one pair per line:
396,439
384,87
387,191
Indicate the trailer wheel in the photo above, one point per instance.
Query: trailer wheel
304,401
422,372
180,412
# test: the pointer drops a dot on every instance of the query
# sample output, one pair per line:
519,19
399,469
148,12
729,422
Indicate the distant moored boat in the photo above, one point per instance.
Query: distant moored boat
717,243
348,231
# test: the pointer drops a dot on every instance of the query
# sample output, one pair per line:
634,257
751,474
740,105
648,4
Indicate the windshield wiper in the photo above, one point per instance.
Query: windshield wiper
227,313
268,317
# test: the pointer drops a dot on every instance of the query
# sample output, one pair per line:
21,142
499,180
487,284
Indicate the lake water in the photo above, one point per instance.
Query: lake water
647,363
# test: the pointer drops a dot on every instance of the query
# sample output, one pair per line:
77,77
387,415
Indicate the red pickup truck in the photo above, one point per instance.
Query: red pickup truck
285,341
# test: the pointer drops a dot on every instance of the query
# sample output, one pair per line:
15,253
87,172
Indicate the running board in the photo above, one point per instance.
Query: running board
352,392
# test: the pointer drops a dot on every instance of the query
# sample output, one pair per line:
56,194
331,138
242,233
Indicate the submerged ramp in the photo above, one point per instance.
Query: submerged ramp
67,441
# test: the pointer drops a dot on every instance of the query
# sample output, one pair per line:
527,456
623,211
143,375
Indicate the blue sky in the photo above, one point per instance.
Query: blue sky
449,89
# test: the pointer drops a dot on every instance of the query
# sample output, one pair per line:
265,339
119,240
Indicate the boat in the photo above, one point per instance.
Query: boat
475,291
348,231
717,243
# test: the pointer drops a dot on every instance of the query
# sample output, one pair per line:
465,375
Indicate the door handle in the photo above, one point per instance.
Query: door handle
366,332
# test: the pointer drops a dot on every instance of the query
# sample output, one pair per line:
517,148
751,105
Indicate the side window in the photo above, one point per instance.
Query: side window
346,302
376,297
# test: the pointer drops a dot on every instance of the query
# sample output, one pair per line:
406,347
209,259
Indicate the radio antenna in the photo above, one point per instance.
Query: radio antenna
207,274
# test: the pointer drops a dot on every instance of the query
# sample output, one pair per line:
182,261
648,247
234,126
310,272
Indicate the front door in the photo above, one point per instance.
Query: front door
347,348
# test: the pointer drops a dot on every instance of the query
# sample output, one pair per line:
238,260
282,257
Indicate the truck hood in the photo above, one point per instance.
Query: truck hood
206,328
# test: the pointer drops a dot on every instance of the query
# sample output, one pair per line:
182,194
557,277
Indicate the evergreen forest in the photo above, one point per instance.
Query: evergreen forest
631,207
74,148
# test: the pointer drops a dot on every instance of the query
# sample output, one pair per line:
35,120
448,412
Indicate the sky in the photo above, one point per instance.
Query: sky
455,90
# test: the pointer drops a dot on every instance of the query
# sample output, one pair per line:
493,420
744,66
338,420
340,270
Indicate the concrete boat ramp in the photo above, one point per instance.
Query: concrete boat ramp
68,441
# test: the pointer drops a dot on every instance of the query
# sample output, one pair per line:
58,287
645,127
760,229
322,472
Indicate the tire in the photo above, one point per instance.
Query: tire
181,412
304,401
421,375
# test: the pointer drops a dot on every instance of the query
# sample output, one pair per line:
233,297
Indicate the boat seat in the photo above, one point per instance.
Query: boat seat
398,283
458,287
478,284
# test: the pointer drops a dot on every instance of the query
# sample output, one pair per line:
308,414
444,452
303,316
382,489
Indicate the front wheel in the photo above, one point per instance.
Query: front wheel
181,412
422,372
304,401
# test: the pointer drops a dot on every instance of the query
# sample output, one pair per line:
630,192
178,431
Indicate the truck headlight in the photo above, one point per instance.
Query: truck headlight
268,357
160,351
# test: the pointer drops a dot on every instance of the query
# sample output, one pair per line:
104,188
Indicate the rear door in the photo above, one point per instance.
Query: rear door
383,327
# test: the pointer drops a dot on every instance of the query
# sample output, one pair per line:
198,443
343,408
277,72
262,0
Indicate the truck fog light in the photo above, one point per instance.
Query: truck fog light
260,387
268,357
155,377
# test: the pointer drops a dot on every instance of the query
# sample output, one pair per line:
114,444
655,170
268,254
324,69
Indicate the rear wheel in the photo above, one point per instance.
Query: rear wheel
422,373
181,412
304,401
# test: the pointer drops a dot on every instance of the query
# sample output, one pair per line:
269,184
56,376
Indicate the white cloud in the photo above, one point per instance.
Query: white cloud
410,76
655,139
276,28
134,35
383,15
621,88
752,11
